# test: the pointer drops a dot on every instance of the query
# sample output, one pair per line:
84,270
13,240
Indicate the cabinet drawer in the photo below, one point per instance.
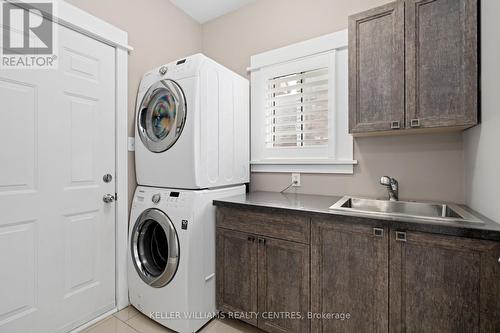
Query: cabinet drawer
293,227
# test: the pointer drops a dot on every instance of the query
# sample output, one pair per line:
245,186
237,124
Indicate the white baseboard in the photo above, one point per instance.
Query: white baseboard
92,322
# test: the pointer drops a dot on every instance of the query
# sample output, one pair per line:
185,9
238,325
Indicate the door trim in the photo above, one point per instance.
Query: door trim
82,22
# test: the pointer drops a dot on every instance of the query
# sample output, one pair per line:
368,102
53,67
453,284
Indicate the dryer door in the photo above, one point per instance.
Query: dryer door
155,248
161,116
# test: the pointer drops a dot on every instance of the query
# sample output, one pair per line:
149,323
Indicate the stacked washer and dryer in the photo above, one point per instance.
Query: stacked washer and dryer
192,147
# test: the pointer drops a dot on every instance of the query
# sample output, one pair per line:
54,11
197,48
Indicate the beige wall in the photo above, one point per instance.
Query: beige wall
268,24
427,166
157,30
482,152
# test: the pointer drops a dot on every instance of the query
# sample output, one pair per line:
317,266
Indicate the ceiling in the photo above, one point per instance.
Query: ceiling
206,10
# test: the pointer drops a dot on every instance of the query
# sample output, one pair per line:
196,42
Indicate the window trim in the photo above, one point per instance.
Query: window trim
339,158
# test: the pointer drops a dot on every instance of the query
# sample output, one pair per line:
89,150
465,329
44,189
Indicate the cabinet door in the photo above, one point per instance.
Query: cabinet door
349,274
236,266
444,284
283,286
376,69
441,63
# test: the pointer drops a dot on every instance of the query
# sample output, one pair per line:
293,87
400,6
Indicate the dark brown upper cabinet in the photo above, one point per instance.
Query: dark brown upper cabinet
376,69
413,64
441,63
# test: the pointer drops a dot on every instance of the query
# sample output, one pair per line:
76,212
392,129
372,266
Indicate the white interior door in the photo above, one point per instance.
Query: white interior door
57,236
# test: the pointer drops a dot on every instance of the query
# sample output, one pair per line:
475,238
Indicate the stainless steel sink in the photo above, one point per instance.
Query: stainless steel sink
416,210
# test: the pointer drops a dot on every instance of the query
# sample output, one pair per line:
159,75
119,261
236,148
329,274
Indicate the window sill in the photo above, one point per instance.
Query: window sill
310,166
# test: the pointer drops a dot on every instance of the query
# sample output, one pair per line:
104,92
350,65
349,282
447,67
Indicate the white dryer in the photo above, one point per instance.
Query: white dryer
171,261
192,126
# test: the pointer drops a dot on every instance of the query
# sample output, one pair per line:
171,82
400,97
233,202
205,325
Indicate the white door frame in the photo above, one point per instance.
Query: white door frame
76,19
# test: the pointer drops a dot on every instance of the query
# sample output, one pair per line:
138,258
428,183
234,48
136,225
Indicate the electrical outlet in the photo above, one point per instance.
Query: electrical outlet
131,143
295,179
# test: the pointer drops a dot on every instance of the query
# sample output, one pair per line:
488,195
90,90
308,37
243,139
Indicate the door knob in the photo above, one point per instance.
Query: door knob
108,198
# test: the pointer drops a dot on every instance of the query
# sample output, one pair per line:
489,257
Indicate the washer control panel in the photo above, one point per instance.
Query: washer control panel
174,199
170,199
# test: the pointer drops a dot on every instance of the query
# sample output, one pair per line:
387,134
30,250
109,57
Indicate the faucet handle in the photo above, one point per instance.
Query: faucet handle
394,184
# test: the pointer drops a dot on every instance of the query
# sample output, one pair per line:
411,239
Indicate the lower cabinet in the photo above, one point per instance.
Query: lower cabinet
264,275
349,276
443,284
283,287
397,281
236,274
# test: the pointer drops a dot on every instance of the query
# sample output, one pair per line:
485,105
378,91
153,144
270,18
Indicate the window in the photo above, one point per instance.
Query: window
299,108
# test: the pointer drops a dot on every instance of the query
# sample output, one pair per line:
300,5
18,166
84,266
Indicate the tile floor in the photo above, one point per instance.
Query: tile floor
129,320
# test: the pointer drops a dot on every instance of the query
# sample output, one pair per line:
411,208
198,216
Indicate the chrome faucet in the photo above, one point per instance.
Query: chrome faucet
392,187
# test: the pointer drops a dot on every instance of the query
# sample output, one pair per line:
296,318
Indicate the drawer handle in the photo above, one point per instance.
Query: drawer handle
262,240
499,260
401,236
378,232
395,125
415,123
251,238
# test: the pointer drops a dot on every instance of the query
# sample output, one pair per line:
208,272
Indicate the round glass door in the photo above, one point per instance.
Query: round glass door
161,116
155,248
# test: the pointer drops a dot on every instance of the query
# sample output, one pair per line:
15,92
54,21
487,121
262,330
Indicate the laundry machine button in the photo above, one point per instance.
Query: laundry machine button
156,198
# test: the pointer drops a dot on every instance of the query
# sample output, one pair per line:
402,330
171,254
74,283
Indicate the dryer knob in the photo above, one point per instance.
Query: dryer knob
156,198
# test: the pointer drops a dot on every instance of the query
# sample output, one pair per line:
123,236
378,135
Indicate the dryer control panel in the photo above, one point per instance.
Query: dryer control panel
175,70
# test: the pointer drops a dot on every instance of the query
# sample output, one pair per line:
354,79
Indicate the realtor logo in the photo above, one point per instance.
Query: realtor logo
28,35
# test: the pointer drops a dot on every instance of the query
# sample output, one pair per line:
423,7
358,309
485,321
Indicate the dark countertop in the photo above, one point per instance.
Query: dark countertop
319,205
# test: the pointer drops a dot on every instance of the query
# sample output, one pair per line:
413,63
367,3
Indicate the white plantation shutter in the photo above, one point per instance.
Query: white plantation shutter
296,112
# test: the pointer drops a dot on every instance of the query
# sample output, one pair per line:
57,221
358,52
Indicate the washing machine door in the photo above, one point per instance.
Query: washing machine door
155,248
161,116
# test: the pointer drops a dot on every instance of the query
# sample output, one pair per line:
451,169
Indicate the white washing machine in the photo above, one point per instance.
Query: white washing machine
192,126
171,261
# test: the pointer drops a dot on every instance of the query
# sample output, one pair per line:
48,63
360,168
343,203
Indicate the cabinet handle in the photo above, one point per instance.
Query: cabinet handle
401,236
499,260
262,240
395,125
415,123
251,238
378,232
